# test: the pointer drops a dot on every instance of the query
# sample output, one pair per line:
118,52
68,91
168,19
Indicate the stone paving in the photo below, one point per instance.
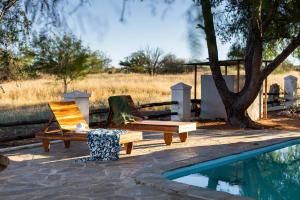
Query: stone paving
33,174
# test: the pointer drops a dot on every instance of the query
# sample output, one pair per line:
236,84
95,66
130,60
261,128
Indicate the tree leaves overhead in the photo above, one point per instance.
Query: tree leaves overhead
14,23
279,19
280,22
17,18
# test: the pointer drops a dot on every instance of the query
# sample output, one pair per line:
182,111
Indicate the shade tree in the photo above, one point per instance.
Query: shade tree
65,57
259,24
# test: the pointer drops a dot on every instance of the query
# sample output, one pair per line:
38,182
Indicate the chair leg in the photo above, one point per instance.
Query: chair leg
67,143
183,136
128,147
46,145
168,137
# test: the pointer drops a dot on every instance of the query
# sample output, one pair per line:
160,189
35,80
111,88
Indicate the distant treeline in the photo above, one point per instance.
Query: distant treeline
153,61
68,59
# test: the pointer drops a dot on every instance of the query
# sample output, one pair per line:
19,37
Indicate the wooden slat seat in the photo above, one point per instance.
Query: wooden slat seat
167,127
68,115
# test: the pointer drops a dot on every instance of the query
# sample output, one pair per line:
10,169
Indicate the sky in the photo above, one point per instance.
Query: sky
98,25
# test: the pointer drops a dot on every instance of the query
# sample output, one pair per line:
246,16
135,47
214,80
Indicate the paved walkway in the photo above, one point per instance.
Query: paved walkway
33,174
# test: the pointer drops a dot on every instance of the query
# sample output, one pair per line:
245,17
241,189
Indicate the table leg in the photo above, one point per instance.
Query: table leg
183,136
128,147
168,137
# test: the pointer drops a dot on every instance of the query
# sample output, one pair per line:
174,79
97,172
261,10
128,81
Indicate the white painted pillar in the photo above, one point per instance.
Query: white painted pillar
82,101
182,94
290,90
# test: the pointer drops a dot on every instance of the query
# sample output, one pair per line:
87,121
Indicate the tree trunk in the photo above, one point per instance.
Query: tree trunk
65,85
236,104
238,116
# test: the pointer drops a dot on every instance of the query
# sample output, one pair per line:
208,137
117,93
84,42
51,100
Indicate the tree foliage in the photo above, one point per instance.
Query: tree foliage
153,61
18,16
170,64
236,51
64,57
136,62
17,20
296,54
278,20
145,60
16,65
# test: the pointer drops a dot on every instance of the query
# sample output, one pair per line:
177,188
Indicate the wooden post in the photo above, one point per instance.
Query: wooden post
195,82
128,147
183,136
238,77
265,112
46,144
67,143
168,137
226,70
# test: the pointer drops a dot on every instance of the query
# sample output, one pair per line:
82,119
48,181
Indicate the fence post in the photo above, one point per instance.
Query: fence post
182,94
82,101
290,90
274,94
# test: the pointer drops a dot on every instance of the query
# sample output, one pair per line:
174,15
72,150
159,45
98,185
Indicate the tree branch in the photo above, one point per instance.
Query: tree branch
281,57
215,68
270,16
210,33
123,11
200,26
253,54
6,7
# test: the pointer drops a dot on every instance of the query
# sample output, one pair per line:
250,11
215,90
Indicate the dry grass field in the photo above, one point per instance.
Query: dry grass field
143,88
27,99
24,100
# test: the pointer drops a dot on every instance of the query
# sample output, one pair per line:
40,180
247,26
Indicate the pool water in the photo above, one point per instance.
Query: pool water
270,173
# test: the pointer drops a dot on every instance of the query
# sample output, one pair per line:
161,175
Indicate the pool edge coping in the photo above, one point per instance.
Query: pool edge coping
157,180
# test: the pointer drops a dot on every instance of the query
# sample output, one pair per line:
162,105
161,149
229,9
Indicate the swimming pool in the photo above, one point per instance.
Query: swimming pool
271,172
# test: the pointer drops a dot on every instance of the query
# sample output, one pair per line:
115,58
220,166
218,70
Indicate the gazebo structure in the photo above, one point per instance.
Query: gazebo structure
237,63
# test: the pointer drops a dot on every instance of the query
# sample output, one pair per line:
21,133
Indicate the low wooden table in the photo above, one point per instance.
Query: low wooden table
167,127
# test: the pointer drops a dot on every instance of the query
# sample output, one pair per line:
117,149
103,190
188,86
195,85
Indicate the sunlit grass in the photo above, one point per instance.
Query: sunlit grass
35,94
142,88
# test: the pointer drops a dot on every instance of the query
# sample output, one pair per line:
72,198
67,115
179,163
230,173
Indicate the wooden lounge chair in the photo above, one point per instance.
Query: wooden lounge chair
167,127
68,115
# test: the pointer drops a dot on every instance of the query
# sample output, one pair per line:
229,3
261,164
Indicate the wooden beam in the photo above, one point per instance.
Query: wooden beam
195,82
229,63
149,105
238,77
265,111
226,70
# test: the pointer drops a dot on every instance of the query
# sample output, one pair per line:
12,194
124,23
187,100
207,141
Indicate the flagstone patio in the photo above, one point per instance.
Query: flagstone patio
34,174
